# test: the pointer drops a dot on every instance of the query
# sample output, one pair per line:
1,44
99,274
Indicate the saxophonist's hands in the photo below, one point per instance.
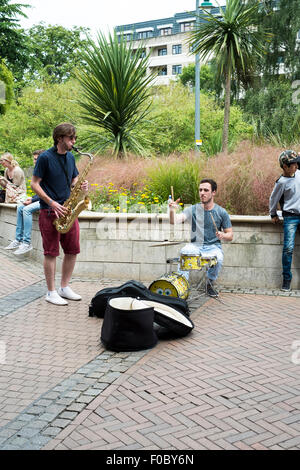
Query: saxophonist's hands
85,186
59,210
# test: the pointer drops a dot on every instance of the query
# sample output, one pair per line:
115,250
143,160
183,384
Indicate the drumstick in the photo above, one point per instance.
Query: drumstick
172,193
214,222
166,243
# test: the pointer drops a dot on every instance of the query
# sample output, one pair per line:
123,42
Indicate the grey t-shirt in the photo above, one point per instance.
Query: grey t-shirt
202,227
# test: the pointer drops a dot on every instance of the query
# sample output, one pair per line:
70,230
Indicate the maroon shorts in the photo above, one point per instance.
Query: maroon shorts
51,237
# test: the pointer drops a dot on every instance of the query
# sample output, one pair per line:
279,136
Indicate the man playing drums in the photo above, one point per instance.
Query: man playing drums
210,224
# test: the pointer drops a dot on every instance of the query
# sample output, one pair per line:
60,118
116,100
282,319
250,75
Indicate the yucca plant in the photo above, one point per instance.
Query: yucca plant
115,94
234,39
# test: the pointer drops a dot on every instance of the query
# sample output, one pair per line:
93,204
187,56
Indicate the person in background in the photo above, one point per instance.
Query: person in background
22,243
286,193
210,225
13,180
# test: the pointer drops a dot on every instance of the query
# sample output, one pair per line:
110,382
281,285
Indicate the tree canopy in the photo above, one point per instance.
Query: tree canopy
283,19
13,44
234,39
55,51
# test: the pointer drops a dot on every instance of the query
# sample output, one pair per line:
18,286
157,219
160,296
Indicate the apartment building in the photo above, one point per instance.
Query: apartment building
166,41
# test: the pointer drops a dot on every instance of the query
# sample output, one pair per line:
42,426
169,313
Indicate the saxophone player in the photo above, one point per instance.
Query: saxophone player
54,175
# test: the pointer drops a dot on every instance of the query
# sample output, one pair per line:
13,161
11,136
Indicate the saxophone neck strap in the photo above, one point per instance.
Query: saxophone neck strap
64,167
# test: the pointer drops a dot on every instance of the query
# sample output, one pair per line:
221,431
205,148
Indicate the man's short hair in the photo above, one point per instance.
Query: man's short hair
62,130
38,152
212,183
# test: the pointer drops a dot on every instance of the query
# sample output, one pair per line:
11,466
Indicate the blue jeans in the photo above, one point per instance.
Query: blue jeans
290,225
24,221
196,249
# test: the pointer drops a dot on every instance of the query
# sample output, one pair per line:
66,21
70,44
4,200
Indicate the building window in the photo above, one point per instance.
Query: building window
163,71
165,31
187,26
142,53
177,49
145,34
162,51
177,69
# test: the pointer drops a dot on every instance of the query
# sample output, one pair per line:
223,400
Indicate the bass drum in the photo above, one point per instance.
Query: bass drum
171,285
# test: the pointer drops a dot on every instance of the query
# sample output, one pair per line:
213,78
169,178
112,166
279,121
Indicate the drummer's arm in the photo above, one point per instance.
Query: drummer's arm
175,218
226,235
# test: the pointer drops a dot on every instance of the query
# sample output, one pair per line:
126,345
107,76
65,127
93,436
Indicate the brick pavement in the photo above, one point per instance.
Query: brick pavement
231,384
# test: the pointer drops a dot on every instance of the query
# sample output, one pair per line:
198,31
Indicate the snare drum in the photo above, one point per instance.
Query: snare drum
208,261
190,262
171,284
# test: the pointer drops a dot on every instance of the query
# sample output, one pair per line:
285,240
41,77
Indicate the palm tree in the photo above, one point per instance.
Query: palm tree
115,89
234,39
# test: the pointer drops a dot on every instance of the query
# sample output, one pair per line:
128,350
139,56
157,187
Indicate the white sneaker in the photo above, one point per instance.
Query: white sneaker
67,293
55,299
13,245
23,248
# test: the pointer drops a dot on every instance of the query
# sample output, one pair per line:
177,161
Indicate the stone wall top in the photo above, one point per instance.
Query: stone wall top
89,215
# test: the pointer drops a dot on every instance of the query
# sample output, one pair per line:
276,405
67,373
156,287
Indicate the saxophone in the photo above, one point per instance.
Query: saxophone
75,204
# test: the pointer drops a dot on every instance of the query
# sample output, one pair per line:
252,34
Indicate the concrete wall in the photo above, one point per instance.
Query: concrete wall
118,246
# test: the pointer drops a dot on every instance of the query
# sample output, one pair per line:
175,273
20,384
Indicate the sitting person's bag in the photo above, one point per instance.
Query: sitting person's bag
134,289
14,194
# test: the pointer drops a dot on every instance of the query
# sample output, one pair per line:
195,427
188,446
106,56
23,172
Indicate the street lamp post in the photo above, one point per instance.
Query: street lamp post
197,92
198,141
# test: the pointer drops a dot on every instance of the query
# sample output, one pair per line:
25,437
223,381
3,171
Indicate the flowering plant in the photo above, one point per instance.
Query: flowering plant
110,199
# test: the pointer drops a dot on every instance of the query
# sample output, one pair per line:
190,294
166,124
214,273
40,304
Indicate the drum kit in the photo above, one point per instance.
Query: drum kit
175,284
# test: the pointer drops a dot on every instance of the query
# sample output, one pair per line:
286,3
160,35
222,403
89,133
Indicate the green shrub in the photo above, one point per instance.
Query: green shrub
29,123
6,81
183,175
274,115
172,125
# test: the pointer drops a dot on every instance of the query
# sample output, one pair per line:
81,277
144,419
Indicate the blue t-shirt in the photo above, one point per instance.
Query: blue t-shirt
202,227
54,180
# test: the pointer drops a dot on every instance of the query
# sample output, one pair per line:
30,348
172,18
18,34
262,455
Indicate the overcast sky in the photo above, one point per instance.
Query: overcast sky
102,14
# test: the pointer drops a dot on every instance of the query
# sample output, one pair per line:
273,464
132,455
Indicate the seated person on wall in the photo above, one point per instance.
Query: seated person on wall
286,193
13,180
22,243
210,224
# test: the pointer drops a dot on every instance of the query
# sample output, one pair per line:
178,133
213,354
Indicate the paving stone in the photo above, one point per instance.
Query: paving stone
203,391
51,431
60,423
68,415
76,407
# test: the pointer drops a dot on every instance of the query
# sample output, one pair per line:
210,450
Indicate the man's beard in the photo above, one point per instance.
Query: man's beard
206,202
